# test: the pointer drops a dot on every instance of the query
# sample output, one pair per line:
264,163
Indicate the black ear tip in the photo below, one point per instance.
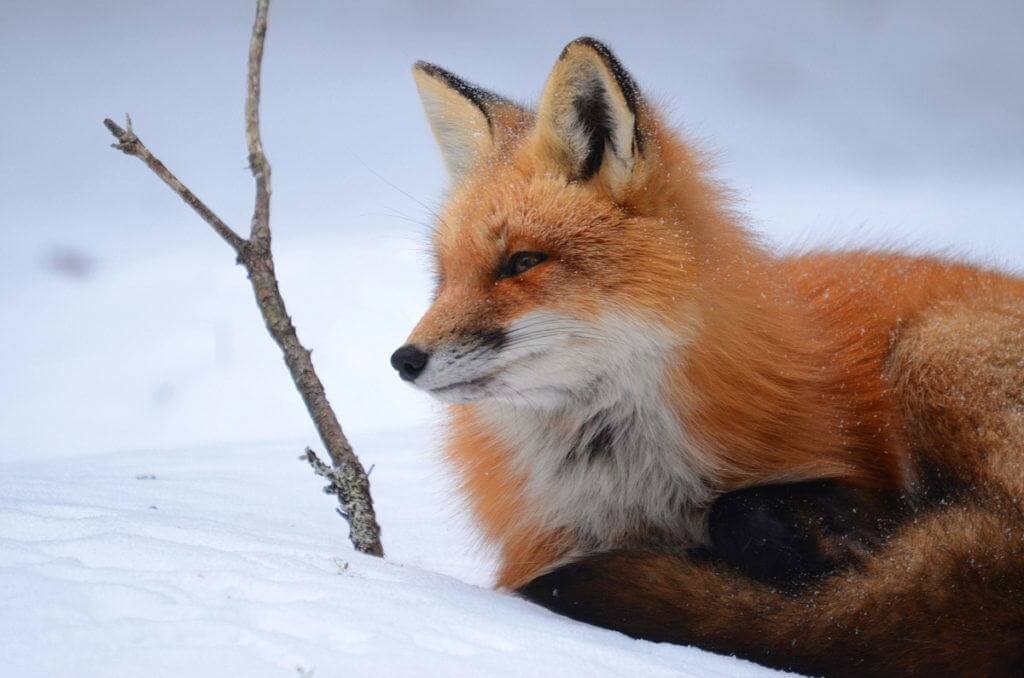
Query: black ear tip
447,77
622,76
588,41
480,97
592,43
431,69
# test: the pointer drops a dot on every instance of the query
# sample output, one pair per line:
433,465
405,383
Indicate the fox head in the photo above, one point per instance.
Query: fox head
567,254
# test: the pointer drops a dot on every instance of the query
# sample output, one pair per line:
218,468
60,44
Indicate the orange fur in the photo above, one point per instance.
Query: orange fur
783,369
495,494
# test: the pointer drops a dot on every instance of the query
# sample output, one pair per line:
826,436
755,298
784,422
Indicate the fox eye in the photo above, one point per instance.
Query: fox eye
520,262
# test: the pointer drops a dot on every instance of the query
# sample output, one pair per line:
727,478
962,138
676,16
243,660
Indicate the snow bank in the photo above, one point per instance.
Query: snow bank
226,561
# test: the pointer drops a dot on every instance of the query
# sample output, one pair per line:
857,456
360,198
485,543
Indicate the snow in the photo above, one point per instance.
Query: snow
154,518
227,561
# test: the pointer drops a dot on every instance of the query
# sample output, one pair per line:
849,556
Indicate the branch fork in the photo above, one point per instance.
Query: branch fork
348,480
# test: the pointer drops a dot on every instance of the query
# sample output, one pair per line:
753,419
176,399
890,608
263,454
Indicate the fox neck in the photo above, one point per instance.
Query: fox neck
739,390
775,389
615,467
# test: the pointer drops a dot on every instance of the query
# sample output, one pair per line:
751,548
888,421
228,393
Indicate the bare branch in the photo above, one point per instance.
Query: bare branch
348,478
259,234
130,144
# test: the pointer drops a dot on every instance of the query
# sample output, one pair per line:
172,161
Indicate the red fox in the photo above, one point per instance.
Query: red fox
815,462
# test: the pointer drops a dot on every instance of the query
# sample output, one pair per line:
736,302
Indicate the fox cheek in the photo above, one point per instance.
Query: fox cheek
494,339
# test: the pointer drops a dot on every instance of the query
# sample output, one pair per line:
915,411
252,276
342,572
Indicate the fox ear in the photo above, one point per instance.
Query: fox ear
588,117
463,117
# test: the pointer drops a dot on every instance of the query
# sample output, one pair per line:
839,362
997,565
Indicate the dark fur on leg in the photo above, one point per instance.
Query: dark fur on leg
790,534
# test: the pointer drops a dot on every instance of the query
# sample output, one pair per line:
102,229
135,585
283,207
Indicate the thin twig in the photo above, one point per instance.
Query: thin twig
348,478
259,233
130,144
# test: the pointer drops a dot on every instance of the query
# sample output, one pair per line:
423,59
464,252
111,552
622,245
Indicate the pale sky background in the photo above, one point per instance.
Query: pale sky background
900,123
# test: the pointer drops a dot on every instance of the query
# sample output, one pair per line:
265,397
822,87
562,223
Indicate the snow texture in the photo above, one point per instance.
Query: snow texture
154,517
226,561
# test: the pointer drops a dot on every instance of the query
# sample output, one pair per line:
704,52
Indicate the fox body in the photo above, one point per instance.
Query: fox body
623,359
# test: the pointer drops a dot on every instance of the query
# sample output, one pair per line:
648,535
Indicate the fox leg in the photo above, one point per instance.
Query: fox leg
792,533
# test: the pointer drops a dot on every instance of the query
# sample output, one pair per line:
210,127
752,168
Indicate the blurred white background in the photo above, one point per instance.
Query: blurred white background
125,325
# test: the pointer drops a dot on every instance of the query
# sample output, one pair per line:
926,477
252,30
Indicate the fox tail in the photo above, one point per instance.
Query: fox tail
943,596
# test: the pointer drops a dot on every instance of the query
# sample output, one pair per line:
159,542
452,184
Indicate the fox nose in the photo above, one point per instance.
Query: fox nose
409,361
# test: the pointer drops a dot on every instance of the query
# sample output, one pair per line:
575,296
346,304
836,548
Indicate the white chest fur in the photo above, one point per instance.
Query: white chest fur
615,465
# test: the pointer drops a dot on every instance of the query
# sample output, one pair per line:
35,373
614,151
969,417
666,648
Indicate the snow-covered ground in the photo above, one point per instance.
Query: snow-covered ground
223,561
154,519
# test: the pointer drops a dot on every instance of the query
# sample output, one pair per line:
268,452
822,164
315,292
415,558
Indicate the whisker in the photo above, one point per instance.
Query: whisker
433,212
